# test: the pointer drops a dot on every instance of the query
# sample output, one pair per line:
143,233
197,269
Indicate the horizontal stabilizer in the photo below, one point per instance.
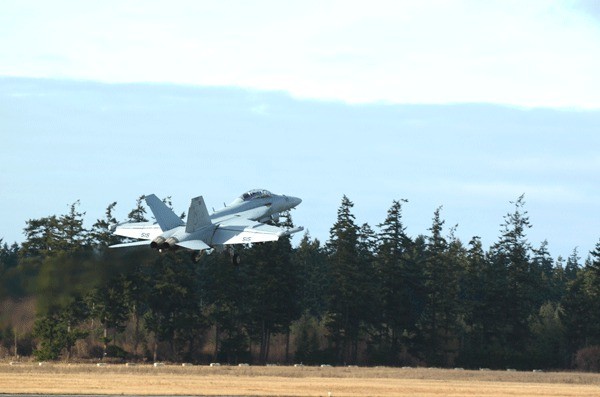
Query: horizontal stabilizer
196,245
165,216
133,244
140,230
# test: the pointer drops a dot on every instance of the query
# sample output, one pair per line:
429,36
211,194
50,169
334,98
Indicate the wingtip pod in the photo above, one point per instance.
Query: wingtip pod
112,227
292,231
132,244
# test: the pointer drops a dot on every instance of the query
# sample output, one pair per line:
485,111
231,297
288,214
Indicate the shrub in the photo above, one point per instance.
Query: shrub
116,352
588,359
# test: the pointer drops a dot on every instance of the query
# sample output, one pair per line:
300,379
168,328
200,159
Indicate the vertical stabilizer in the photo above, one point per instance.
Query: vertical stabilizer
165,217
197,215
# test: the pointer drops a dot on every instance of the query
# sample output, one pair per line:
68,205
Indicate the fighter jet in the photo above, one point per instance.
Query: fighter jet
241,222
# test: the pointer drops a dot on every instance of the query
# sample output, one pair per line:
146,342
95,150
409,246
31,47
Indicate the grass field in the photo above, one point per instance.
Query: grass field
30,378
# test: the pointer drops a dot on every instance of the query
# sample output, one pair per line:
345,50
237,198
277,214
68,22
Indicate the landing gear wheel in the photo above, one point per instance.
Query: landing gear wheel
197,256
235,259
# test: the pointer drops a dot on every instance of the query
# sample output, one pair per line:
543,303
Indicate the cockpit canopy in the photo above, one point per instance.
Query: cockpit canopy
256,194
252,195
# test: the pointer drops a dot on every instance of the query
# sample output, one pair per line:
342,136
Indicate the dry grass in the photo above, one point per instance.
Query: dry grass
287,381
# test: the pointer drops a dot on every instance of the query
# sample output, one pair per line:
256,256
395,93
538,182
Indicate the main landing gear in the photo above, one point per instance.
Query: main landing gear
197,256
235,257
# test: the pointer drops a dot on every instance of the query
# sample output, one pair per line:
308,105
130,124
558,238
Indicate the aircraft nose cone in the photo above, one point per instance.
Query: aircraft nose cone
295,201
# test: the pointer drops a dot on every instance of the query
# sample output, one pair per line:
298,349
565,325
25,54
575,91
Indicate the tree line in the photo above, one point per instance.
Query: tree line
364,297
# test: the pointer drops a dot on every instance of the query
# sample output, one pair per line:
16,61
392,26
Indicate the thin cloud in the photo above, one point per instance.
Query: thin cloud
535,53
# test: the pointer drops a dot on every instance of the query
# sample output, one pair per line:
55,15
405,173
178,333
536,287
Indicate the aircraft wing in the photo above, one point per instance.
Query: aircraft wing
237,230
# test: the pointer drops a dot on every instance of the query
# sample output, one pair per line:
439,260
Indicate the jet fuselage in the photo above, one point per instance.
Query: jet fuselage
241,222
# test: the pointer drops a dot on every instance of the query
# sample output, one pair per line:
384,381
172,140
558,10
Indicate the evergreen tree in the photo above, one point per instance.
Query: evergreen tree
8,255
346,295
138,214
136,292
107,303
397,286
73,315
10,280
512,253
548,346
273,278
313,279
439,321
101,234
42,237
593,266
559,279
592,290
52,235
542,268
576,313
225,297
307,344
174,306
473,290
58,331
59,272
73,236
49,331
453,309
573,265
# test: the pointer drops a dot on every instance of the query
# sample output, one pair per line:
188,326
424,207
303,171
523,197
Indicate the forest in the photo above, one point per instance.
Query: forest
367,296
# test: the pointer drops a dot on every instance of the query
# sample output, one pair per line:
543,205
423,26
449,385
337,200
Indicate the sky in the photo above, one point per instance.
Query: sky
460,104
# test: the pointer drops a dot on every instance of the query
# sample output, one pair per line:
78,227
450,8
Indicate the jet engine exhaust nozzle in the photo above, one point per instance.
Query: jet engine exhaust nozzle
169,243
157,242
